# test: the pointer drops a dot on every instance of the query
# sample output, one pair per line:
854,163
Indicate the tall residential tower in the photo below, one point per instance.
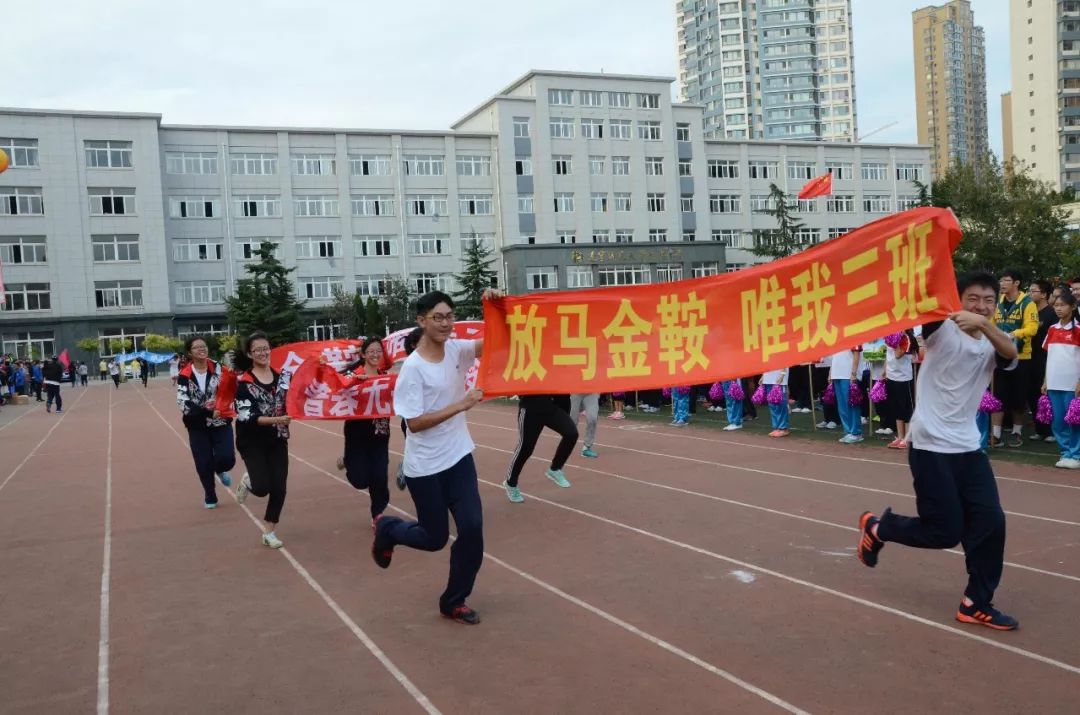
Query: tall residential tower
950,83
769,69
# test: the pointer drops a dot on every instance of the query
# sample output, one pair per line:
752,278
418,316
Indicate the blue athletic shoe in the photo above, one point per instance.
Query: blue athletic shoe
557,476
209,505
225,479
589,452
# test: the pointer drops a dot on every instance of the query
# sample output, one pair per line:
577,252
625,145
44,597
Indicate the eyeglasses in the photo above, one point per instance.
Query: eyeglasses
440,318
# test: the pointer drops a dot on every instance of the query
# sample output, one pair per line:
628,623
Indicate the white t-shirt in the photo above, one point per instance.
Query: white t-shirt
898,369
200,378
842,362
1062,346
424,387
174,367
951,383
775,377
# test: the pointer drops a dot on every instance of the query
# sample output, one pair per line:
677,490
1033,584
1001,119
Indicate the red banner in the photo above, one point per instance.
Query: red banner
338,353
226,392
394,343
888,275
319,392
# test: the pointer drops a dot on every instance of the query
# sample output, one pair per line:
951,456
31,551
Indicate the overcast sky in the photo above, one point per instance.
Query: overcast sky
407,65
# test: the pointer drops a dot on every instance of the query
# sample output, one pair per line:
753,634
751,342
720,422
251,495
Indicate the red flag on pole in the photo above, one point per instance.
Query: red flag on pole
65,359
818,186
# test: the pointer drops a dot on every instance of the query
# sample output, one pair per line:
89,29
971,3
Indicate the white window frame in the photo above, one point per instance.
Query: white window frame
655,202
108,154
542,278
190,207
375,245
591,98
476,205
669,272
561,97
654,166
114,296
119,245
877,203
21,201
619,100
521,127
424,164
428,244
257,206
425,204
113,198
320,205
427,282
623,275
579,277
373,286
26,294
312,287
561,128
621,129
909,172
623,202
620,166
598,202
473,165
649,131
624,235
658,235
592,128
701,269
370,205
840,204
725,203
523,166
23,250
208,292
564,202
525,204
253,164
875,171
247,246
562,164
801,170
22,153
761,170
191,162
318,247
313,164
197,250
596,165
370,165
723,169
682,132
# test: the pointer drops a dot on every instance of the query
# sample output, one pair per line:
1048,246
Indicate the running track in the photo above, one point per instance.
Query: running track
689,571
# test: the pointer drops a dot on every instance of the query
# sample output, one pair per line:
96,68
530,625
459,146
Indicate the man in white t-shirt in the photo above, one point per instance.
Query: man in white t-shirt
955,490
440,473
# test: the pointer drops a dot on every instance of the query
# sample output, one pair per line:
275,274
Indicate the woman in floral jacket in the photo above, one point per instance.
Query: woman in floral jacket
209,432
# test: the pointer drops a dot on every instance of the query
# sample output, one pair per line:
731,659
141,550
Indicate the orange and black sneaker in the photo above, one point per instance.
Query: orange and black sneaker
987,616
869,545
463,614
380,551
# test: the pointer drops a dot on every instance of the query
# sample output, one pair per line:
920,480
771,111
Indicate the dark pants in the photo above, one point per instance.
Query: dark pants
533,417
749,384
145,377
52,394
454,489
367,466
1035,380
116,381
83,379
799,385
212,450
957,500
35,387
268,469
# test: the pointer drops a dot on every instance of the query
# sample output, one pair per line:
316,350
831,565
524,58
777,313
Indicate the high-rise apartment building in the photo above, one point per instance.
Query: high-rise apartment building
769,69
950,83
1045,117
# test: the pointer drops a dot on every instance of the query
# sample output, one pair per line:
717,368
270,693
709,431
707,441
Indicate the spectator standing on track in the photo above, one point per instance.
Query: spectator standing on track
1040,293
842,371
734,407
535,412
144,369
84,374
900,385
589,404
1062,381
367,442
1016,316
103,370
174,368
262,431
955,490
210,435
441,474
53,373
781,419
36,379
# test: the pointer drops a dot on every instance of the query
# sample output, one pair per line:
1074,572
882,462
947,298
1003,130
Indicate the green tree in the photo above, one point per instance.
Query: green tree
374,319
162,343
781,241
89,345
358,325
476,276
398,304
120,345
346,310
266,300
1009,220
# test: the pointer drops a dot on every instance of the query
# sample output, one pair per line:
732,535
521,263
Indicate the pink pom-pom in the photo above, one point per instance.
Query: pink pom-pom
716,391
893,341
855,395
777,396
1072,415
877,392
736,392
1044,411
666,392
758,398
828,398
618,395
990,404
682,391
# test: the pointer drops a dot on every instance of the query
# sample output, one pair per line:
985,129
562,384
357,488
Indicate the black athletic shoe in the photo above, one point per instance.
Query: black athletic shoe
1015,440
997,442
989,617
400,479
380,552
869,545
463,614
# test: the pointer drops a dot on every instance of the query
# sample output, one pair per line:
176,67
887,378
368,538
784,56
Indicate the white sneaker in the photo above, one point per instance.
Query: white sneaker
243,488
732,427
1069,464
863,420
1049,439
850,439
270,539
830,425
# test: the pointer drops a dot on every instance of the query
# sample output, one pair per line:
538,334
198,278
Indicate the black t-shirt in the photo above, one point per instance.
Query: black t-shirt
360,432
1047,317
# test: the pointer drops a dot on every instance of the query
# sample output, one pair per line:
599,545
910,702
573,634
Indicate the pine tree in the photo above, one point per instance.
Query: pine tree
475,277
266,300
358,318
375,320
783,240
398,304
346,311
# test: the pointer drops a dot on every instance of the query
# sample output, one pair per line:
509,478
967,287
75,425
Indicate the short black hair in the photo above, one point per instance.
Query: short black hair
428,301
368,342
1014,274
191,341
1044,286
976,278
241,361
413,339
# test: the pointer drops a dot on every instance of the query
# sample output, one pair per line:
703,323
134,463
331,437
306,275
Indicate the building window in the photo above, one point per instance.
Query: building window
427,282
561,164
21,202
596,166
253,164
373,205
875,172
763,170
623,275
26,296
649,131
190,329
15,250
318,288
562,128
484,240
579,277
200,292
648,101
562,97
475,205
840,170
686,168
258,205
601,235
115,248
668,272
903,203
840,204
624,235
132,337
108,155
370,165
723,169
546,278
194,207
724,203
248,246
318,246
657,235
655,202
700,269
591,98
28,345
800,169
622,202
564,203
807,236
326,205
426,205
682,132
196,249
686,203
118,294
619,100
598,203
523,166
424,165
592,128
801,205
620,128
313,164
838,232
429,244
190,162
566,237
112,202
473,165
728,237
620,166
22,153
521,127
654,166
877,204
909,172
760,202
325,329
688,235
375,246
374,286
525,204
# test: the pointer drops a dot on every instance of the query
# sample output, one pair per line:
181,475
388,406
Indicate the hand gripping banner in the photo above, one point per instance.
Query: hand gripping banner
883,277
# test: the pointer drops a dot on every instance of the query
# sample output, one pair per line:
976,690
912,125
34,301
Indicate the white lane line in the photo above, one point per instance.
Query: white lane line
767,510
614,620
29,409
843,485
106,571
647,429
422,700
33,452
